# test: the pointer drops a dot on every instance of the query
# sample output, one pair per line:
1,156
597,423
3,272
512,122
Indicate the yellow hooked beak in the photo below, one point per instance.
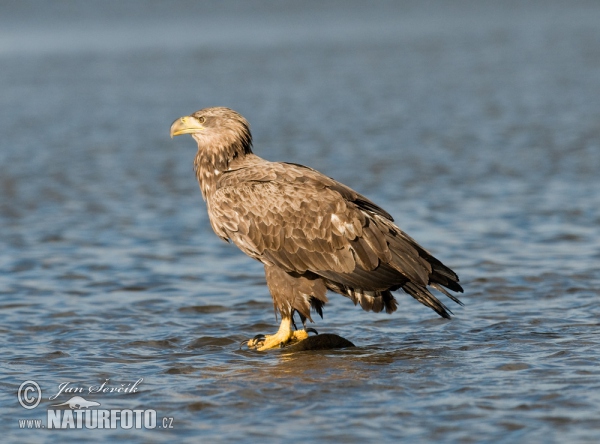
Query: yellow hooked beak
185,125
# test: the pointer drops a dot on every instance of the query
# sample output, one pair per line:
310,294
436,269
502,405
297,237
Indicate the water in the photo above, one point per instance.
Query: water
475,124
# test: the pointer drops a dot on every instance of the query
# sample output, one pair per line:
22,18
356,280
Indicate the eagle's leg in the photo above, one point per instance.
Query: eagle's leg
284,336
303,320
291,292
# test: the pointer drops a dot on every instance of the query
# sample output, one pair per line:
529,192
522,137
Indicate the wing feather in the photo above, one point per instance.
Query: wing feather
296,218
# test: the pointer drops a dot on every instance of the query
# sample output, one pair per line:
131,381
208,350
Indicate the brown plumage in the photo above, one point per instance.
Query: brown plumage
310,232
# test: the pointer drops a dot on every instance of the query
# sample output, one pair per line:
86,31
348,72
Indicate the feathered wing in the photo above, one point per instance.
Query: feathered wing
294,218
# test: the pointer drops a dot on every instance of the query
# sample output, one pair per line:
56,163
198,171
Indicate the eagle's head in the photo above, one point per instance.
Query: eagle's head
216,130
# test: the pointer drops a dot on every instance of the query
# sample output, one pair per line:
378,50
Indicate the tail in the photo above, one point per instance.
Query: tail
424,296
440,277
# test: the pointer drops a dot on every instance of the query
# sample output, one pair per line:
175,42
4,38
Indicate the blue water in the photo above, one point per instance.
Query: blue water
475,124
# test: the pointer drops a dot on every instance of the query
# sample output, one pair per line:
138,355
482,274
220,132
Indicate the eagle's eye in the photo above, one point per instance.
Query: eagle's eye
201,119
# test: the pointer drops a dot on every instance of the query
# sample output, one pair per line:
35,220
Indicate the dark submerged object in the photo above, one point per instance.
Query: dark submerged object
325,341
312,233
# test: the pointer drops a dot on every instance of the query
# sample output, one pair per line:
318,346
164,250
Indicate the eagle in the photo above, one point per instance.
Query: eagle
311,233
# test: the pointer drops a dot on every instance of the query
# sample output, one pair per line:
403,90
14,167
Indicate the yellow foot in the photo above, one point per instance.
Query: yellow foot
283,337
277,340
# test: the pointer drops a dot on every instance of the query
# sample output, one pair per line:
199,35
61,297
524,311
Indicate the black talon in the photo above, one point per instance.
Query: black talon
311,330
260,338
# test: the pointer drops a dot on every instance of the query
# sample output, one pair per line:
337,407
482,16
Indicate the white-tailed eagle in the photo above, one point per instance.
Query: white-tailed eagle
312,233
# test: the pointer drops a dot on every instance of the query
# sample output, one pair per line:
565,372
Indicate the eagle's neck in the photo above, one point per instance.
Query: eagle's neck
211,162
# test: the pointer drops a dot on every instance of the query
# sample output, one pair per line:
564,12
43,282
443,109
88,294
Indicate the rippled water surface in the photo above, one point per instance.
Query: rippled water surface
476,125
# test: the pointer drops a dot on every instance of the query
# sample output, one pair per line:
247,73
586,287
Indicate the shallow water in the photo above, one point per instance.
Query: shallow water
476,125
